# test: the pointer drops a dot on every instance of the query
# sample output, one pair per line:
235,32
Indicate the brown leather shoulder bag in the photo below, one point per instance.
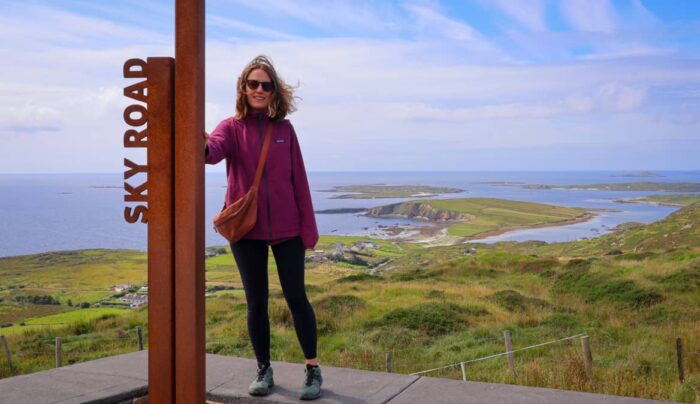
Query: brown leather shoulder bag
237,219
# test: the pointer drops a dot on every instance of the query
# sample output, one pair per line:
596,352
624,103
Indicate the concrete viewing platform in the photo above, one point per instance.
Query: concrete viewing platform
119,379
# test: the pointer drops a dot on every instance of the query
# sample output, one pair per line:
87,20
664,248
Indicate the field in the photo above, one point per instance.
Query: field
62,319
633,292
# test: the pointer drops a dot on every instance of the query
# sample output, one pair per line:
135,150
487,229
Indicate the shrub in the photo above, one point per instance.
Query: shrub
216,288
632,256
435,294
393,338
280,314
594,288
512,300
338,304
539,266
39,299
561,322
429,318
359,278
81,327
578,264
685,280
414,275
614,252
689,391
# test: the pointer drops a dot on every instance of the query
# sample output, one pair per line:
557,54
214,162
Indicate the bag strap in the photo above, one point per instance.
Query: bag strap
263,154
263,157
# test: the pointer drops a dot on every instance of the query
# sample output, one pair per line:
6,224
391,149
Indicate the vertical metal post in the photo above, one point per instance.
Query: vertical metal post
161,277
189,201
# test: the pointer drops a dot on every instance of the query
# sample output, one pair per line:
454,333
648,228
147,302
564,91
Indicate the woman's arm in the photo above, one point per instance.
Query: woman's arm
302,195
219,143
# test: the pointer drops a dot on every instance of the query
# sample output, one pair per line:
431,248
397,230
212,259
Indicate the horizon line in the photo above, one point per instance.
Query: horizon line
387,171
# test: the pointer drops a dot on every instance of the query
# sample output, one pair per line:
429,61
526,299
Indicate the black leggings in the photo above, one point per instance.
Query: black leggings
251,258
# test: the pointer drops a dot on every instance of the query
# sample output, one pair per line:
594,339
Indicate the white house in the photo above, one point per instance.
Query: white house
121,288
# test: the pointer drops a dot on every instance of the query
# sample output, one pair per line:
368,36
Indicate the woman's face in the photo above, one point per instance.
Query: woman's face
258,98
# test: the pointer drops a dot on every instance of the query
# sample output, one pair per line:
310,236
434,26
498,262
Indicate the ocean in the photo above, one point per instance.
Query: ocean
50,212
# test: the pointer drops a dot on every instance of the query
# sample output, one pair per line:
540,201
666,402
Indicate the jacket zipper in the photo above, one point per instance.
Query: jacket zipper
267,188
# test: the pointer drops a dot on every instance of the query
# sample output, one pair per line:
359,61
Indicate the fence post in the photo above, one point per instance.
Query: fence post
388,362
679,358
7,353
509,349
59,353
139,334
464,371
587,357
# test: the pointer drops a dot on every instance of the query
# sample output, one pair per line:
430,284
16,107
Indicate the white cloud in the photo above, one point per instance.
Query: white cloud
620,98
29,118
40,25
608,98
430,23
237,25
397,102
589,15
529,13
331,15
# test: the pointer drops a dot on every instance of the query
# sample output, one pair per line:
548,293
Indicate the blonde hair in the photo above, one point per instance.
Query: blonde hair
283,100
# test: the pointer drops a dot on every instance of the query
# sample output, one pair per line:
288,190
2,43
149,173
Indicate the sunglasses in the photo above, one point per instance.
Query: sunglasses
267,86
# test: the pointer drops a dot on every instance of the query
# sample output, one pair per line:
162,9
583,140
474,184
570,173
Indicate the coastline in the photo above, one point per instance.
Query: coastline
438,234
579,219
648,202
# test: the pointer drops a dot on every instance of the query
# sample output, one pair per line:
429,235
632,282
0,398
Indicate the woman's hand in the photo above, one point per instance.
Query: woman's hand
206,136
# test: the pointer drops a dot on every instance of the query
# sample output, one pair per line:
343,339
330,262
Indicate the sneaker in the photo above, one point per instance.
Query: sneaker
263,382
311,389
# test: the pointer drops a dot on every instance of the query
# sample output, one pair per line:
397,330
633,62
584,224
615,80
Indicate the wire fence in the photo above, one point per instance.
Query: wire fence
462,363
520,365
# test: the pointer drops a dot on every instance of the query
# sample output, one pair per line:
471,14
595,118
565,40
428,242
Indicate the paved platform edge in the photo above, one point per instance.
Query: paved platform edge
137,387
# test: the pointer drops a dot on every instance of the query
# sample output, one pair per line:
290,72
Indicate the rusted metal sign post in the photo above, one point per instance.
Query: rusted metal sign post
167,118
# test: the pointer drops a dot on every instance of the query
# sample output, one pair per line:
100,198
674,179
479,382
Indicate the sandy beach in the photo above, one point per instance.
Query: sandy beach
438,234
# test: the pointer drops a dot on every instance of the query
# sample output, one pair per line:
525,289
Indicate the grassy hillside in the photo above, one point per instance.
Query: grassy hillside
666,199
633,292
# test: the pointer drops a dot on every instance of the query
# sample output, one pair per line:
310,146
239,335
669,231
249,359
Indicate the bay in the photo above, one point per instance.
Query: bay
50,212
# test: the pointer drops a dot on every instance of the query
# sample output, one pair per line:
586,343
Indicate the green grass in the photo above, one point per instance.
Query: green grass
62,319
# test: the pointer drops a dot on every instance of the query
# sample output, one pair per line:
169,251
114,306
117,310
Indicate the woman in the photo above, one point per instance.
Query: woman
285,213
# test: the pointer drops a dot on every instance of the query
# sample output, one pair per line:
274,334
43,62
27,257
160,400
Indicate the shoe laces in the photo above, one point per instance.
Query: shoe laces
261,374
309,376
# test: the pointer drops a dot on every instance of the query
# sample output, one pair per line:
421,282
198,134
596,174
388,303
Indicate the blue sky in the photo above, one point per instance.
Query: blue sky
401,86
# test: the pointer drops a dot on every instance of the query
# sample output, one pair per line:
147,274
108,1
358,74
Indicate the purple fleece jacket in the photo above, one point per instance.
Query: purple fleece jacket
283,194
